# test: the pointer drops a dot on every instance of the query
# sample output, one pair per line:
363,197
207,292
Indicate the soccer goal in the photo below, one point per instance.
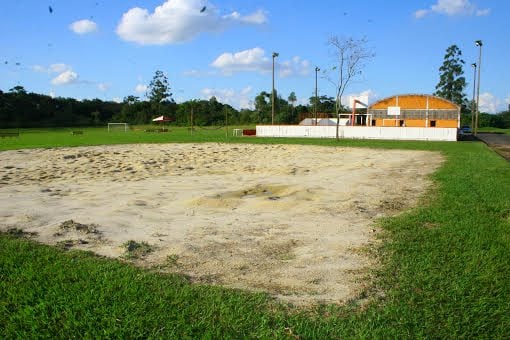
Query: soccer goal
117,127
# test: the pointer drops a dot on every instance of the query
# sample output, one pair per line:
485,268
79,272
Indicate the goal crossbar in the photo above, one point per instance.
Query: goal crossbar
111,125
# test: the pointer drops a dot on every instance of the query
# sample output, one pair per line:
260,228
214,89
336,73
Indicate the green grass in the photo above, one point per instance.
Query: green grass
136,250
60,137
496,130
445,271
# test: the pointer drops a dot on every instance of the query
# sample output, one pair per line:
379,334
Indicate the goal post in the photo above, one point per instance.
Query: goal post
115,126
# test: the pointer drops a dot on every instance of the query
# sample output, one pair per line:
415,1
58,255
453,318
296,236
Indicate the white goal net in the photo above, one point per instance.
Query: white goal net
118,127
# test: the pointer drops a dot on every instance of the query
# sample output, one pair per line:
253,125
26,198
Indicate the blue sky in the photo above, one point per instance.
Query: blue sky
110,49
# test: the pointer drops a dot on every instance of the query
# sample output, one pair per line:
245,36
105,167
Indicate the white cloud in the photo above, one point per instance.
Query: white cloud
65,78
197,73
372,96
482,12
256,18
238,99
248,60
453,7
117,99
489,103
59,68
84,26
303,101
506,105
245,103
222,95
255,60
246,91
52,94
141,88
178,21
103,87
421,13
38,68
192,73
293,67
53,68
65,72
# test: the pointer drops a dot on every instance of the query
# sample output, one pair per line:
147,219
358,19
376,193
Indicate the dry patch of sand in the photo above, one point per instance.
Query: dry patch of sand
286,219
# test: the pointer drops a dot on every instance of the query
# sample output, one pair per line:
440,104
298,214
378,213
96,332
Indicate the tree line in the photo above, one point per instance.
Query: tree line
22,109
452,85
18,108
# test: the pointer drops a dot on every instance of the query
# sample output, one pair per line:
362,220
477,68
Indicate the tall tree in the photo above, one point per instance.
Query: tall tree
284,113
130,100
292,100
350,56
18,89
159,90
451,80
263,106
325,104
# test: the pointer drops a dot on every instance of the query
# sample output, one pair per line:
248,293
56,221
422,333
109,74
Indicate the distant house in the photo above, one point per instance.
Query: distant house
324,121
414,110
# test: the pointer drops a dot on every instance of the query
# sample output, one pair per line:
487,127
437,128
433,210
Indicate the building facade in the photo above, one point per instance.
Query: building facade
414,110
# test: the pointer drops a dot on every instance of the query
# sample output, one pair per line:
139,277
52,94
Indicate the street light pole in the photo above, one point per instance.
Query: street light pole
479,44
316,97
473,103
272,92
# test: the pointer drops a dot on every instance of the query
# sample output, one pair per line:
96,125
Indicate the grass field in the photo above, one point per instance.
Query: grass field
495,130
59,137
445,267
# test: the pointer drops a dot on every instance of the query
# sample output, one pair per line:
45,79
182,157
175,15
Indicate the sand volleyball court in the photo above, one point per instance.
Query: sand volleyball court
290,220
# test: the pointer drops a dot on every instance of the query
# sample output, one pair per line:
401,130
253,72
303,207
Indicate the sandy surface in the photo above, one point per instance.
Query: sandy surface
286,219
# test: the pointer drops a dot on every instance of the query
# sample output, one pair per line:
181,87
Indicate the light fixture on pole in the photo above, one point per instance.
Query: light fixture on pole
479,44
272,92
473,103
316,97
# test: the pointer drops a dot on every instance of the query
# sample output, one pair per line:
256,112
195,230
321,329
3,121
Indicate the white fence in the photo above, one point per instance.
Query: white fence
358,132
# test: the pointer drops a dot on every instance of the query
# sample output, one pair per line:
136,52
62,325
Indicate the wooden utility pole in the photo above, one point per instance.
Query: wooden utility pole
191,118
226,122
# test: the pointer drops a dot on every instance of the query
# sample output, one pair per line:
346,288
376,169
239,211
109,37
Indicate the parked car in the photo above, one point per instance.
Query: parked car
465,129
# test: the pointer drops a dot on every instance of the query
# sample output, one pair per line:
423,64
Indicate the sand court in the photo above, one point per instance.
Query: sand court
290,220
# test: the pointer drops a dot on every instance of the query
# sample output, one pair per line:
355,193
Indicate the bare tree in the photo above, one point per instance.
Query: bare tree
350,57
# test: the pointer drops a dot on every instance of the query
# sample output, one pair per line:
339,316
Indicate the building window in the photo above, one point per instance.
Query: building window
432,123
401,123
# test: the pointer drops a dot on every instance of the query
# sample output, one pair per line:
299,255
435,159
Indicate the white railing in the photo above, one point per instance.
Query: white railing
358,132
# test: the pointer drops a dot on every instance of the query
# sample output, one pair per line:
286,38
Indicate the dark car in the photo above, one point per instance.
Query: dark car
465,129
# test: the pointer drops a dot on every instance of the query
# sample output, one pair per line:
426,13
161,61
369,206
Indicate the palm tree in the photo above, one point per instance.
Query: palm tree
292,100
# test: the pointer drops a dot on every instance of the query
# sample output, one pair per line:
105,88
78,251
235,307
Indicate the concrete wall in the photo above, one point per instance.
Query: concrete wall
359,132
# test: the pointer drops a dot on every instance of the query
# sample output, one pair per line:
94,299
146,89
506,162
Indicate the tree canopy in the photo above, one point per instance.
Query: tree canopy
159,88
20,108
451,80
